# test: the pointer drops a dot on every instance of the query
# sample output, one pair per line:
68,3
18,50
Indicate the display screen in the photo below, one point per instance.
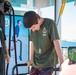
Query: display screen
72,53
22,44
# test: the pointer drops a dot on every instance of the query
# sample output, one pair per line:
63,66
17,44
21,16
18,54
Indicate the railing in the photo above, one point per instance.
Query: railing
25,64
18,65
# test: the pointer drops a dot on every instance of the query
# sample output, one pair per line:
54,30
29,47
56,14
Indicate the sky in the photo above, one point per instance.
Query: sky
68,28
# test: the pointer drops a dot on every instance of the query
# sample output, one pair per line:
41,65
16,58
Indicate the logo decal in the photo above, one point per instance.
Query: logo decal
44,31
6,22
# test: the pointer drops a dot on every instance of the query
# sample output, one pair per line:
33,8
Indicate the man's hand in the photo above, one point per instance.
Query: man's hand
67,68
7,58
65,64
29,63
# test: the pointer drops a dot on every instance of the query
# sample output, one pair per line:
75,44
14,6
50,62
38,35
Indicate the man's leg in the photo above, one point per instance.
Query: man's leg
34,71
45,71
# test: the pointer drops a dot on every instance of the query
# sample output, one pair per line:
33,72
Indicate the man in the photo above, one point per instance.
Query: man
67,68
44,43
17,29
3,51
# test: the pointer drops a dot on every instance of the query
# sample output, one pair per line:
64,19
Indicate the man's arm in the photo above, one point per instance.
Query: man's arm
31,54
3,43
58,50
7,54
31,50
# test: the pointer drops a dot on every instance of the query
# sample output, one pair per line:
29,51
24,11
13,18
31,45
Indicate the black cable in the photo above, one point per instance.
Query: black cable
9,43
14,40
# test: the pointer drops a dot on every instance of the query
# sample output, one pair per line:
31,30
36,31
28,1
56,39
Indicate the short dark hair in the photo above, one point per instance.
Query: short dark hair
30,18
18,21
